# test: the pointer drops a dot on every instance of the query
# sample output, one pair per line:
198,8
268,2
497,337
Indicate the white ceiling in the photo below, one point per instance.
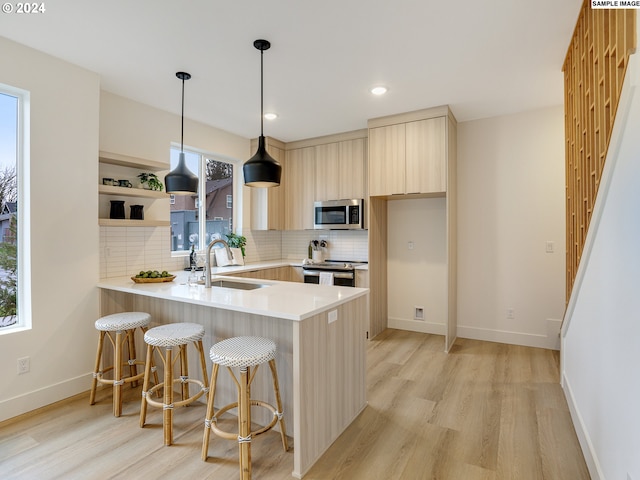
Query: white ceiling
482,57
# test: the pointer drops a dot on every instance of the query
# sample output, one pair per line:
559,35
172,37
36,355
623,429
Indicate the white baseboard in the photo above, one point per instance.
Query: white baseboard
583,435
551,340
12,407
416,326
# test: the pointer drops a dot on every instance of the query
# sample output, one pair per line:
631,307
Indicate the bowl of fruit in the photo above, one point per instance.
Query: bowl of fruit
153,276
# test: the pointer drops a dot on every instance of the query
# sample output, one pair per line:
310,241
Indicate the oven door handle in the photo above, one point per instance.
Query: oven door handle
316,273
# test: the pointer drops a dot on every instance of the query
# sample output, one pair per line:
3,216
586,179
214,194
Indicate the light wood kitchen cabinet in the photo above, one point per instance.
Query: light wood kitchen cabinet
340,170
328,171
408,157
296,274
426,160
300,188
352,160
277,273
387,160
412,156
268,204
124,167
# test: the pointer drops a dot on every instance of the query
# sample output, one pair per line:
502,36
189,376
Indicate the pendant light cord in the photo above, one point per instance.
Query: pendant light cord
261,93
182,120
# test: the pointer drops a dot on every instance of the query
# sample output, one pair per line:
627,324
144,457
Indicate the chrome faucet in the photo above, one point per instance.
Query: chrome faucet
207,260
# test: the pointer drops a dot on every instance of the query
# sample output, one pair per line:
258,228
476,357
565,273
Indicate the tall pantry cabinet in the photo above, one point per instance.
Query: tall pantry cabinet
411,156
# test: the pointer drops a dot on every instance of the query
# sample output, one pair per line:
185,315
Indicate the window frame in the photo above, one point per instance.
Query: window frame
23,167
236,188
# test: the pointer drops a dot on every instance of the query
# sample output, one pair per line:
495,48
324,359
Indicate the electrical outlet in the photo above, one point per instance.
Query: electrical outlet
23,365
511,314
333,316
418,313
410,244
550,246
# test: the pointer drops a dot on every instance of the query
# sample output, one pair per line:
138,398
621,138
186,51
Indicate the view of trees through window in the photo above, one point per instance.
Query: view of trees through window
8,209
197,219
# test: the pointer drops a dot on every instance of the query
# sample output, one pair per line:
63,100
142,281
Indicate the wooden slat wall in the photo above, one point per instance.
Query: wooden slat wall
594,70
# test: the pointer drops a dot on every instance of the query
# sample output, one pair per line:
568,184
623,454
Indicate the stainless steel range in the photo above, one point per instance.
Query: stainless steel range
334,272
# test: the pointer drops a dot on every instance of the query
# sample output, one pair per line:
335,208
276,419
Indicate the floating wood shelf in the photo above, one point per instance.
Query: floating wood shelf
132,162
131,192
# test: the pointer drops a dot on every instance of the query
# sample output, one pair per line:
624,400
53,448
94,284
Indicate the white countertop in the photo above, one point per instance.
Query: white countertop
289,300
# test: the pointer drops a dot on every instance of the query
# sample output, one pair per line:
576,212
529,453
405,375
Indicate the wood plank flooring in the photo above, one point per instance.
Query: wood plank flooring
485,411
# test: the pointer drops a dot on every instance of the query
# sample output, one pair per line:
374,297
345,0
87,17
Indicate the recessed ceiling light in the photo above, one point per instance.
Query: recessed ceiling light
379,90
270,116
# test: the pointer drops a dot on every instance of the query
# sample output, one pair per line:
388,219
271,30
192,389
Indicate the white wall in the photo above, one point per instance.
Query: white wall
510,202
138,130
601,334
417,277
64,232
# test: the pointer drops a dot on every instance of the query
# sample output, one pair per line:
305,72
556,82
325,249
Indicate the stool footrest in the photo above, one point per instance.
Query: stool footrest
125,379
234,436
185,401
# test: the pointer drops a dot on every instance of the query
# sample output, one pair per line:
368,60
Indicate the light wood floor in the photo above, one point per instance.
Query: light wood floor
485,411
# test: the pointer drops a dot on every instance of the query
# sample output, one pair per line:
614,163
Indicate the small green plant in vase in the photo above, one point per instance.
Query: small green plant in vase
236,241
151,181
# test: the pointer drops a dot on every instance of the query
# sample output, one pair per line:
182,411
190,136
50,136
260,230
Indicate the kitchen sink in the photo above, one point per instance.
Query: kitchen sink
236,285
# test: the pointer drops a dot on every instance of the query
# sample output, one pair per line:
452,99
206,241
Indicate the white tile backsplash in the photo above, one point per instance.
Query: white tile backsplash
341,244
127,250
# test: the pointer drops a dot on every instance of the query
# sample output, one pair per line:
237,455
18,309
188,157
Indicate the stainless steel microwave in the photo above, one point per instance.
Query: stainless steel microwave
339,214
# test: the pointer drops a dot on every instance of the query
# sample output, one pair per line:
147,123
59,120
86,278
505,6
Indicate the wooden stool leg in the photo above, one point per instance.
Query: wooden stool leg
133,368
203,363
209,414
155,371
244,424
117,375
276,389
145,384
167,409
184,371
94,383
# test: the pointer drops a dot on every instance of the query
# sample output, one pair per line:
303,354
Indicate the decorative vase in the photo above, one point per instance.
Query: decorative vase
117,209
136,212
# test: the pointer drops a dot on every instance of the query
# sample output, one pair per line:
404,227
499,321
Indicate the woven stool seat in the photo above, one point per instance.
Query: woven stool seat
119,329
174,334
174,339
123,321
243,351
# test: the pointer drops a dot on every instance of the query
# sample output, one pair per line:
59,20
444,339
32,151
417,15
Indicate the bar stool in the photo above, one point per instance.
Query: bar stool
243,352
124,326
167,337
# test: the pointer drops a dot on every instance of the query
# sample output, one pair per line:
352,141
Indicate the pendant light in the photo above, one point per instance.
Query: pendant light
181,180
261,170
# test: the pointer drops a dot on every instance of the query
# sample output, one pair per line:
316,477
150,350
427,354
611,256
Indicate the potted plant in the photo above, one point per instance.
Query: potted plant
236,241
150,181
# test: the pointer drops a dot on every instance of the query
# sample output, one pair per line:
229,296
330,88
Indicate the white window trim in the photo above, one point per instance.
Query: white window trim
23,170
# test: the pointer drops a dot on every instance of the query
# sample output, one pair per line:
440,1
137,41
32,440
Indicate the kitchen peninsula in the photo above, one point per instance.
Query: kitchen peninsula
319,331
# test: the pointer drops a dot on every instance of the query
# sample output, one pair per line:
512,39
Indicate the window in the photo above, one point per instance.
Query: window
197,219
14,311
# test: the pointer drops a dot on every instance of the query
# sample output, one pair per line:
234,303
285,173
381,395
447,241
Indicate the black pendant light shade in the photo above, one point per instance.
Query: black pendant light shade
261,170
181,180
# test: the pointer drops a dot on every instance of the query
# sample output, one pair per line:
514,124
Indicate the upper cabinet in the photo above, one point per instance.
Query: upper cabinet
340,170
408,154
324,168
300,190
